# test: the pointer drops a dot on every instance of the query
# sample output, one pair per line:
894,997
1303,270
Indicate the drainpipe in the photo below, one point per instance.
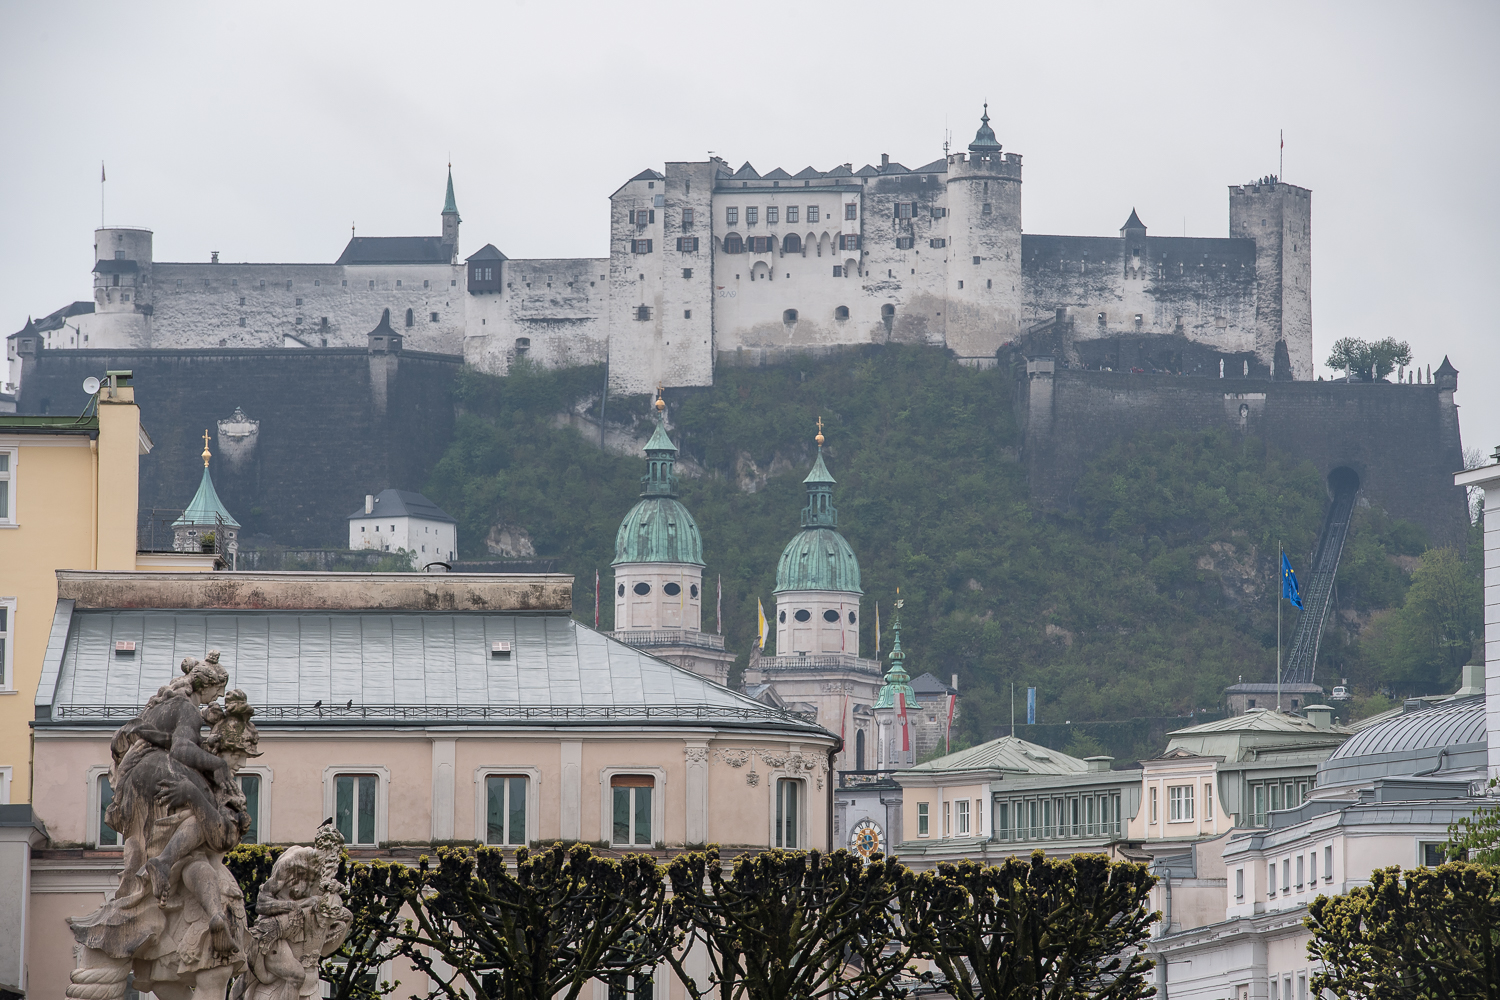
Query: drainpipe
833,779
1161,965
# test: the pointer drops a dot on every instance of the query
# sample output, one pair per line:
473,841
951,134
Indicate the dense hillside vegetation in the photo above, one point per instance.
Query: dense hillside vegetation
1148,597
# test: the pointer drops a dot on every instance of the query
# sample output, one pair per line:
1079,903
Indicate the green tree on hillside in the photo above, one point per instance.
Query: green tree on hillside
1420,646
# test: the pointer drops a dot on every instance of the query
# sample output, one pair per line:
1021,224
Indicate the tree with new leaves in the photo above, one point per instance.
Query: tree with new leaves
1039,928
1370,361
788,925
1412,935
1476,837
562,917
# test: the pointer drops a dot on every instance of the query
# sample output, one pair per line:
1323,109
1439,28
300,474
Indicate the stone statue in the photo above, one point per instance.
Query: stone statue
300,918
177,920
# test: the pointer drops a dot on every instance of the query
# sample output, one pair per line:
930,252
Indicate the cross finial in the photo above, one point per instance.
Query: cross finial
819,438
206,453
661,404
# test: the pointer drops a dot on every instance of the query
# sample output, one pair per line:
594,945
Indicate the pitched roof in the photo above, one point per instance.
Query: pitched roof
403,503
487,252
894,168
395,250
841,170
867,171
1008,753
807,173
1257,722
108,266
747,172
1134,222
54,320
648,175
777,174
929,685
397,669
938,166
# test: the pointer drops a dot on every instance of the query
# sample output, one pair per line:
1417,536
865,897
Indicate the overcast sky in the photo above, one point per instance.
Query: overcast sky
265,130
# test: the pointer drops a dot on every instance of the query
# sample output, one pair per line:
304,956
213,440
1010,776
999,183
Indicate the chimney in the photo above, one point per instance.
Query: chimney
213,257
885,160
1321,716
1098,763
954,685
369,503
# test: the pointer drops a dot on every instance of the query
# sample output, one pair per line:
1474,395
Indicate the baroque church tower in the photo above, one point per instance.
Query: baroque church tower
658,568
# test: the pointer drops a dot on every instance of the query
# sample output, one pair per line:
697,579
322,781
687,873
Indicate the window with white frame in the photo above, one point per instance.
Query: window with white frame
505,809
631,796
5,775
106,835
1327,862
1180,803
947,819
788,812
250,785
7,647
1208,800
7,487
1239,883
1153,803
640,986
923,819
962,808
354,808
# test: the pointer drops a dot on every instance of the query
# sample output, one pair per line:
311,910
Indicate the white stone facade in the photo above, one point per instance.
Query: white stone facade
428,541
658,596
817,623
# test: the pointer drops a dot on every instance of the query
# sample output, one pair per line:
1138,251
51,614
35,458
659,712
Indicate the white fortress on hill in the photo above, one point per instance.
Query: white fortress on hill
711,265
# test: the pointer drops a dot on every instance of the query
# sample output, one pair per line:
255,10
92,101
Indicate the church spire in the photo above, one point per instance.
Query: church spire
450,207
897,680
820,511
984,139
661,457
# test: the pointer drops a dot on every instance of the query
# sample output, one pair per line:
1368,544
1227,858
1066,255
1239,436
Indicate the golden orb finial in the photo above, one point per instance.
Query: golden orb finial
206,453
661,404
819,438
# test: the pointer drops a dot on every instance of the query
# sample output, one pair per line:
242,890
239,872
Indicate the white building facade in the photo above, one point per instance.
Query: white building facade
399,519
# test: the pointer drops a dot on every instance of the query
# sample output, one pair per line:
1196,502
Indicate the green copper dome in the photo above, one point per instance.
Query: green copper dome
818,557
897,680
658,528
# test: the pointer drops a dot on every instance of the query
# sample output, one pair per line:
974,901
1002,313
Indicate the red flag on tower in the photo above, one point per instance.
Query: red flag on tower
901,714
596,598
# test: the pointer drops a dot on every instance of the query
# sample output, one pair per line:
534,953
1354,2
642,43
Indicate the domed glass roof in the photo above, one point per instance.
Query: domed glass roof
818,557
658,528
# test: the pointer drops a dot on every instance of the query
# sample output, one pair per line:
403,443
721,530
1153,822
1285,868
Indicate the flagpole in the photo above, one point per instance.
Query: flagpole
1279,592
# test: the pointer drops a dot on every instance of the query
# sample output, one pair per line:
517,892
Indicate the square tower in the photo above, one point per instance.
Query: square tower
1278,217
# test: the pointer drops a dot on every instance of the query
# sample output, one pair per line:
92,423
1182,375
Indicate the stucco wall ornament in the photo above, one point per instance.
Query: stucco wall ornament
792,761
177,921
734,758
697,753
300,919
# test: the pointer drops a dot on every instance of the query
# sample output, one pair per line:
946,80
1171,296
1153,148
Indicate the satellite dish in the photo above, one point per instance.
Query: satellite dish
91,385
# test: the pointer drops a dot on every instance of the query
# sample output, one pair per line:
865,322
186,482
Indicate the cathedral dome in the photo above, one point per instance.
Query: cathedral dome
818,559
658,529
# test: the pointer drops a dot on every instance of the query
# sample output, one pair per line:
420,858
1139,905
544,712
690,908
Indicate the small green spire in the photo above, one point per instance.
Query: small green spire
897,680
661,458
450,207
984,139
820,511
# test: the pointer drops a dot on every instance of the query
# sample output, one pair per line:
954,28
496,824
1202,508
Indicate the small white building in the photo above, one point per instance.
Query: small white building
399,519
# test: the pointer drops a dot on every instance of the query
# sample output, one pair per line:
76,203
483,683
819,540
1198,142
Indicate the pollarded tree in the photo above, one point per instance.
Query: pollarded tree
1370,361
1040,929
1413,935
786,925
563,917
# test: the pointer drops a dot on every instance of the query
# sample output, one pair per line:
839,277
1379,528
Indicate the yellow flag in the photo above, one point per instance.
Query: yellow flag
760,614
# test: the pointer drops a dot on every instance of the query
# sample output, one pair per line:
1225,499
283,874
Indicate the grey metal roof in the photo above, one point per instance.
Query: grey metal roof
1008,753
403,503
1444,741
395,250
929,684
394,668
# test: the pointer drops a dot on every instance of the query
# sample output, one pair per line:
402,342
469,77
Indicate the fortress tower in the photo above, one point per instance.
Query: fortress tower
659,571
450,221
1278,217
984,246
122,288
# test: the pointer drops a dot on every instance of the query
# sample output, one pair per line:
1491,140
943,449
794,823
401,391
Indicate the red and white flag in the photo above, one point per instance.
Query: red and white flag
901,714
948,731
719,608
596,598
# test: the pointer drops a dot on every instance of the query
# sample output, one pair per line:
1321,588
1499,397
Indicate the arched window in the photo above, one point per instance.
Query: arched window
410,317
789,316
841,312
859,749
523,344
733,243
887,310
791,243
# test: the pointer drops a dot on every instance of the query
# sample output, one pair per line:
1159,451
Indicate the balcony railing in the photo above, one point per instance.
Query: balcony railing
504,714
667,637
854,779
826,661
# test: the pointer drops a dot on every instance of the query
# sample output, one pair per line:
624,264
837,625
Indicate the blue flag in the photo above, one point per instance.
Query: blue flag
1031,706
1289,583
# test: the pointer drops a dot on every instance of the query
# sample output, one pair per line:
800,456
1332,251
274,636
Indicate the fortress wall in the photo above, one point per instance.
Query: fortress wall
1204,289
1402,440
559,306
204,310
335,424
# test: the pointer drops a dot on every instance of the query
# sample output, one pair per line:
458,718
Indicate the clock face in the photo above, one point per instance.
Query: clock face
866,839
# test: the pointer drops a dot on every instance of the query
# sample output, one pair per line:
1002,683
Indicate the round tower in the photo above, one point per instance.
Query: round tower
817,579
984,241
658,553
122,287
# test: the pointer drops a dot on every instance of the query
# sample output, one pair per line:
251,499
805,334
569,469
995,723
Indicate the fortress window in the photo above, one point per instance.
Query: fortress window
116,282
989,283
782,617
1102,319
372,284
848,241
851,210
642,588
453,283
410,317
687,272
852,619
791,242
939,213
760,244
687,314
119,255
242,321
242,300
905,242
687,218
299,302
789,316
289,284
732,216
976,260
905,209
984,209
838,272
802,615
887,310
299,321
840,312
687,244
773,215
643,313
346,282
424,282
523,344
960,284
812,213
792,212
434,317
937,244
398,283
752,215
640,246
